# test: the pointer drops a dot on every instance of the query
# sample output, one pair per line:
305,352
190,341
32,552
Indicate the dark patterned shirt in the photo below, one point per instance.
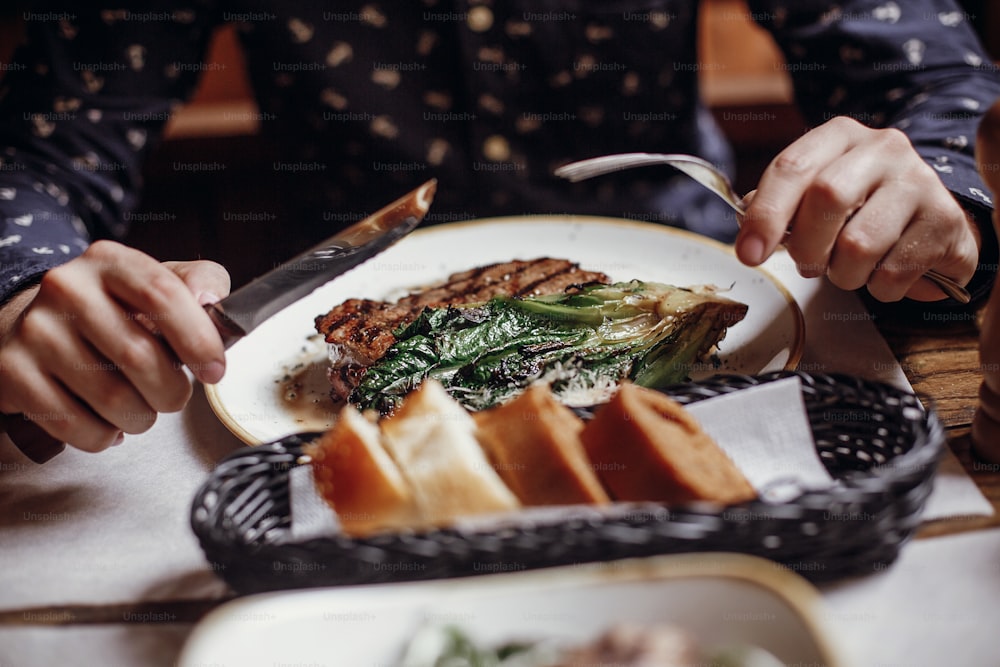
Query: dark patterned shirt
370,97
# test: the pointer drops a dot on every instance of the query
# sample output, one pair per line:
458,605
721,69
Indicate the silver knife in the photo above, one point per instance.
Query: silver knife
245,309
249,306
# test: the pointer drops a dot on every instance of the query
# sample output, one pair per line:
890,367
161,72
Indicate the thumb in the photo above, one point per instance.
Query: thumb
208,281
750,252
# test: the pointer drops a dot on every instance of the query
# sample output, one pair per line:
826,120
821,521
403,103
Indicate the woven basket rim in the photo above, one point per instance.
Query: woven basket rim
910,474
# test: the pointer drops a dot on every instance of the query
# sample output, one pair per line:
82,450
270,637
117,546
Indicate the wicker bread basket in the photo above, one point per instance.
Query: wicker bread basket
879,442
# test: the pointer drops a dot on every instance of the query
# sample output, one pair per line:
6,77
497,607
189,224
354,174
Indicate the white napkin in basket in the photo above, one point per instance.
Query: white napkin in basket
765,431
312,516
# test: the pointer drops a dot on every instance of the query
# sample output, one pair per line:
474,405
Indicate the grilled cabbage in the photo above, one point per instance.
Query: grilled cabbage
582,343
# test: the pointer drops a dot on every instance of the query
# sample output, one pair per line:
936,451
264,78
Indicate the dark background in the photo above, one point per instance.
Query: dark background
214,128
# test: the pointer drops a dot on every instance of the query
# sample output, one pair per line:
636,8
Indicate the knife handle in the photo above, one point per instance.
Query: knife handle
33,441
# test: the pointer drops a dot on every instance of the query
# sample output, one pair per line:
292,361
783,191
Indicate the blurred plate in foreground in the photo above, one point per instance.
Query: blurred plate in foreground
722,600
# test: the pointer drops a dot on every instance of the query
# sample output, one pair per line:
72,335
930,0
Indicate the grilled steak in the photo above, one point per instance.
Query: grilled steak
359,331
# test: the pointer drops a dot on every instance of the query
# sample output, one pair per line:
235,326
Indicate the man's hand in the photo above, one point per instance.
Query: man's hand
862,207
99,347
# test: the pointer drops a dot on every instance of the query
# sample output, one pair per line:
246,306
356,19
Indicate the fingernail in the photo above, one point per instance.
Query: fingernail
809,272
752,249
205,298
119,440
212,372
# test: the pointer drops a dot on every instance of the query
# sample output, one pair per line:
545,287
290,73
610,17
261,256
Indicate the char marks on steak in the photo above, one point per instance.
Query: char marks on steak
359,331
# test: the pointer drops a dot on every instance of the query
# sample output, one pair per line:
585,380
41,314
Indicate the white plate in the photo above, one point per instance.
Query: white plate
724,600
275,382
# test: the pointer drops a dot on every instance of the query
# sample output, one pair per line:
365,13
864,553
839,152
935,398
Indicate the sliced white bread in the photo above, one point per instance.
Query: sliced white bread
432,439
355,474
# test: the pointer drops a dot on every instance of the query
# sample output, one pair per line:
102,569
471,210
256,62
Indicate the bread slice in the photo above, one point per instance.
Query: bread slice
431,437
359,479
534,445
647,447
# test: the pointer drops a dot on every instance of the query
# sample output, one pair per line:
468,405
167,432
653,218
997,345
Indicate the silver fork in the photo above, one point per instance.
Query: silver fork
708,175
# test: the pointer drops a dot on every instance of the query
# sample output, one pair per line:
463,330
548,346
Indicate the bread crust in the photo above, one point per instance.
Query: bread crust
533,442
359,479
646,447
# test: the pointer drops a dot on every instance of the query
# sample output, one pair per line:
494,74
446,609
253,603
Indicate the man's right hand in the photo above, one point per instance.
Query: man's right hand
99,347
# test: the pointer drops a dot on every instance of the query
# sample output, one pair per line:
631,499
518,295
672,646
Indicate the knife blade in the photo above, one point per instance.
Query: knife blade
246,308
249,306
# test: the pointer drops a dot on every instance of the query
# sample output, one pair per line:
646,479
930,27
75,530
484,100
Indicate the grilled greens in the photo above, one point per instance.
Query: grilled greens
450,646
624,645
582,343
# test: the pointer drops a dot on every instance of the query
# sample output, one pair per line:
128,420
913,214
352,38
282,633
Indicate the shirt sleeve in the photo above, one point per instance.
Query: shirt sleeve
916,66
83,101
